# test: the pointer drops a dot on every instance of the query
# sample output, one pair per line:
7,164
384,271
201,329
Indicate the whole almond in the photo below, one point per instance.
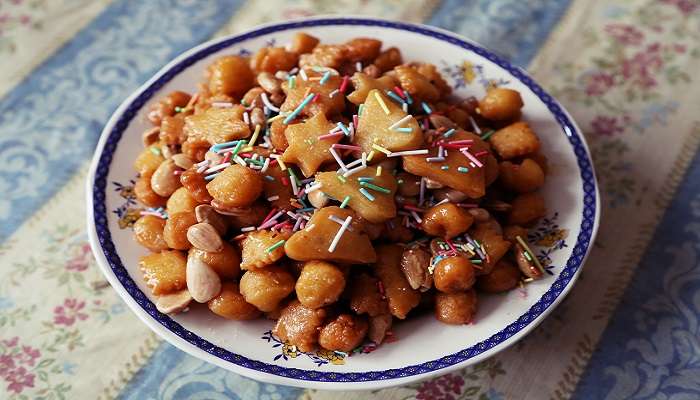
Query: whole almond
414,264
164,181
205,237
150,136
173,303
206,213
269,83
317,199
440,121
213,157
202,281
257,117
234,211
182,161
166,151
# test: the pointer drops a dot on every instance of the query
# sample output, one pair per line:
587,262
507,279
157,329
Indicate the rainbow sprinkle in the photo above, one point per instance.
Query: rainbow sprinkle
345,202
297,110
449,133
382,103
275,246
375,187
487,135
382,149
325,77
340,233
367,194
394,97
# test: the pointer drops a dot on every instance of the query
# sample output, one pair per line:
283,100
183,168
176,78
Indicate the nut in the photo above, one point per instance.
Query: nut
435,248
150,136
479,214
269,83
205,237
414,264
257,117
528,268
164,181
378,327
440,121
173,303
497,205
431,184
453,196
318,199
213,158
202,282
166,151
207,213
182,161
233,211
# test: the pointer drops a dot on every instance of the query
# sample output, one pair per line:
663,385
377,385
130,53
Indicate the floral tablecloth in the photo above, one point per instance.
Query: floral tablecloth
627,70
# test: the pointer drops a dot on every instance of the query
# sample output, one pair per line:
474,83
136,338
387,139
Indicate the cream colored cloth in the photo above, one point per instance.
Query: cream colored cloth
30,32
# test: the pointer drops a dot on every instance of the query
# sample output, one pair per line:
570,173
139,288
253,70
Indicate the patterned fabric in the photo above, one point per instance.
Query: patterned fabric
624,70
25,25
650,349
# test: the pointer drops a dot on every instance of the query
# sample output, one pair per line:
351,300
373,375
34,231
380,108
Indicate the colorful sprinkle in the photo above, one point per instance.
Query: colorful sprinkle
344,84
399,122
325,77
340,233
343,128
449,133
463,170
487,135
394,97
331,135
345,202
382,103
404,130
444,167
426,108
367,194
375,187
380,148
409,153
475,126
471,157
268,103
528,250
297,110
275,246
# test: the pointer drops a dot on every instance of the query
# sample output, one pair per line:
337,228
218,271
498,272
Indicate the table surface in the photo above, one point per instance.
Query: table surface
625,70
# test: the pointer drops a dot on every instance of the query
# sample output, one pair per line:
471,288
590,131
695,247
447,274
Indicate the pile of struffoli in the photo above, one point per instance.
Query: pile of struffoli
336,188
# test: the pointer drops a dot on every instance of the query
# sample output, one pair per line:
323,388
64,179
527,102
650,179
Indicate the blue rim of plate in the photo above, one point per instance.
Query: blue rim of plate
548,298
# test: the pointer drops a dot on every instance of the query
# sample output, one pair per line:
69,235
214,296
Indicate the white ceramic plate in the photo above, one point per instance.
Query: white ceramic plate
425,347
